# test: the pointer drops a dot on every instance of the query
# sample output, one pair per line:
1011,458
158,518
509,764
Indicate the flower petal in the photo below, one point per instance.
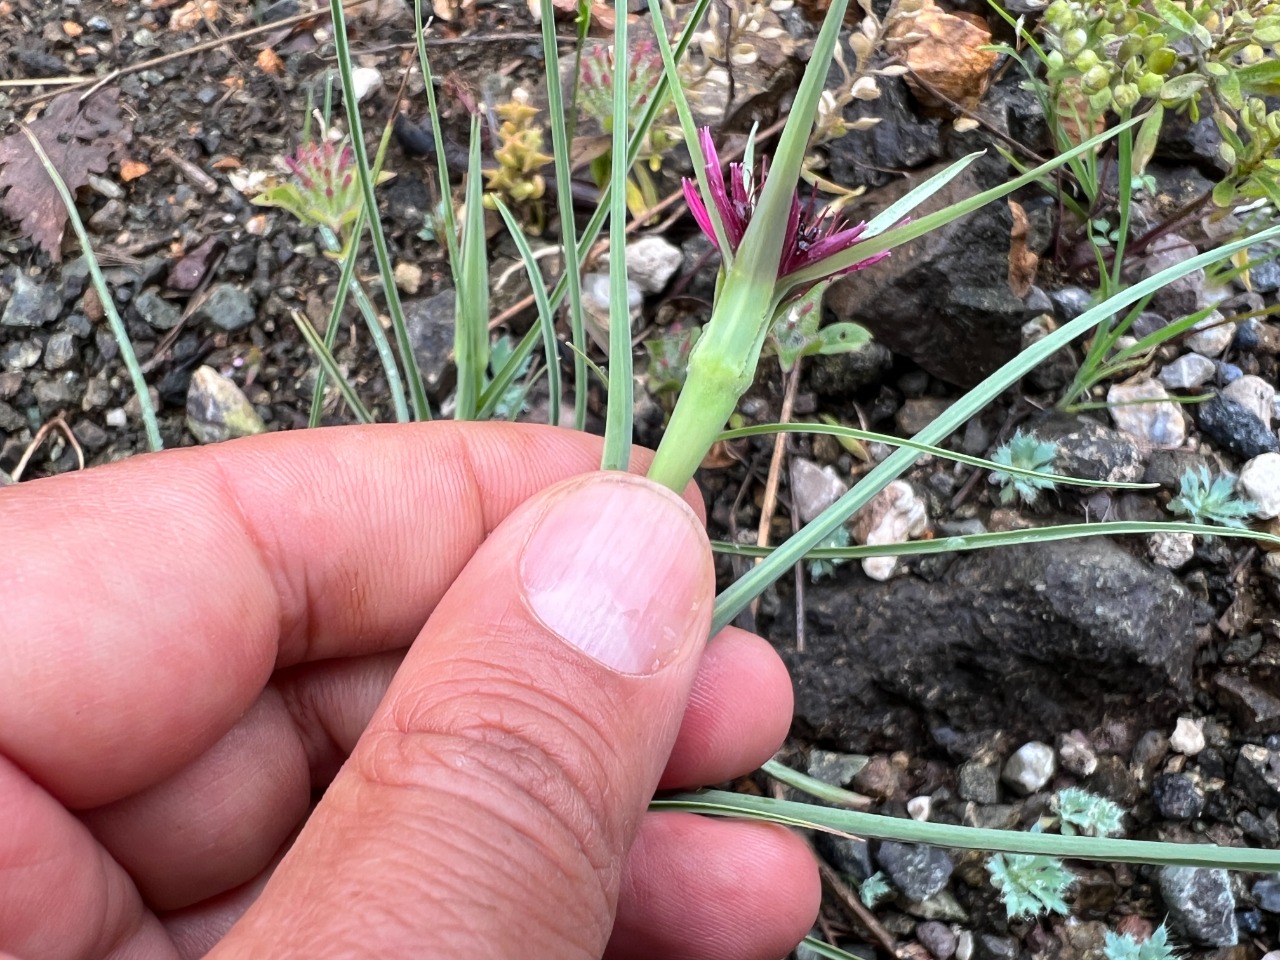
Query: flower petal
698,208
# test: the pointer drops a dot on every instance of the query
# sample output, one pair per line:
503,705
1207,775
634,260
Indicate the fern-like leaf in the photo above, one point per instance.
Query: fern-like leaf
1030,885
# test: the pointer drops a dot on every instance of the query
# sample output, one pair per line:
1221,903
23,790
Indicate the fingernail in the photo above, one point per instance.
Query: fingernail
620,569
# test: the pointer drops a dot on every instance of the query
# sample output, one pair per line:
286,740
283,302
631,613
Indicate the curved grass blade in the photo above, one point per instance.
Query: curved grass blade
442,164
330,367
751,584
150,426
342,51
853,433
546,322
561,136
471,293
830,819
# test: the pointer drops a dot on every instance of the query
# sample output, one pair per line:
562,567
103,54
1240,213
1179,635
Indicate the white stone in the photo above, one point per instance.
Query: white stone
1254,394
1260,482
814,488
1187,372
117,418
964,945
652,262
1171,550
595,303
895,515
919,808
1077,753
1030,767
365,80
1188,736
1212,336
1144,411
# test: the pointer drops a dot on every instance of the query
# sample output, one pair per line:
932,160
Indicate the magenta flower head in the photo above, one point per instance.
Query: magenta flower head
812,234
321,188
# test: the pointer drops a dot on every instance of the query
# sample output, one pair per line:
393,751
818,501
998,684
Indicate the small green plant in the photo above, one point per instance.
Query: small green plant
1088,814
1211,500
1030,884
519,152
1125,947
874,889
1025,451
820,568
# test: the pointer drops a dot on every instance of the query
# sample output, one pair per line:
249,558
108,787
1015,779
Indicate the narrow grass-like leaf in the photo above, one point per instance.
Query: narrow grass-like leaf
442,164
150,426
345,276
1003,538
342,51
901,207
591,232
618,414
814,787
330,367
750,585
839,430
916,228
560,139
720,803
814,945
471,310
546,321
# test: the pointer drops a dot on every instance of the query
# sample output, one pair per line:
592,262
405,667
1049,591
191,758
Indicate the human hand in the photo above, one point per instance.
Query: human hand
193,643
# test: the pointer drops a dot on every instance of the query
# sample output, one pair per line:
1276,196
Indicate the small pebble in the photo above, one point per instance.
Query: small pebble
1076,754
1254,394
1212,335
814,488
1172,551
59,351
895,515
117,418
937,938
964,945
1177,797
1187,372
1137,409
1201,904
652,262
217,409
1259,482
364,81
1188,736
1030,767
916,870
919,808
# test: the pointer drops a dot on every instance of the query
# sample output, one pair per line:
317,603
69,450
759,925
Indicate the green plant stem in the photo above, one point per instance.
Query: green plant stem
853,822
342,50
619,413
471,293
149,423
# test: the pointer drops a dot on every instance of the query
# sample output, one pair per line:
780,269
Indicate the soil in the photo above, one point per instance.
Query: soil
921,702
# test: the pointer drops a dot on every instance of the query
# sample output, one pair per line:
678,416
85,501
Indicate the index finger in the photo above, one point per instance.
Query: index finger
147,603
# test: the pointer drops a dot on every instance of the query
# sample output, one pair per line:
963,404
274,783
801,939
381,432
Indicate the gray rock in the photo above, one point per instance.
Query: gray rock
59,351
217,410
1200,904
1234,428
937,938
1187,372
978,782
1254,394
1177,797
430,326
1089,449
21,354
1070,302
1181,296
903,140
158,312
814,488
11,421
992,947
837,769
1077,753
917,871
30,305
1052,637
1212,335
1265,276
109,219
91,436
943,300
918,412
1259,481
227,307
1145,412
1257,711
1267,892
844,375
1030,767
1148,753
849,855
1173,551
73,280
652,262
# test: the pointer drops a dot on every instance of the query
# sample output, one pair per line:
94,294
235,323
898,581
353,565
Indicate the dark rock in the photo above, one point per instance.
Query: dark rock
38,63
1257,711
1166,467
228,307
239,259
917,413
53,396
430,327
900,141
1070,302
1113,779
186,275
942,300
1177,797
78,325
1249,922
937,938
1265,276
849,855
1088,449
73,279
1233,427
1200,904
11,421
30,305
109,219
1257,775
978,782
59,351
917,871
837,769
1196,142
158,312
1030,640
22,354
1148,753
91,436
1178,297
106,343
991,947
840,376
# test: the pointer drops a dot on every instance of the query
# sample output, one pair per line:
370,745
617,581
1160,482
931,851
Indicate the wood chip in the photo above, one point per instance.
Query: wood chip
269,62
132,170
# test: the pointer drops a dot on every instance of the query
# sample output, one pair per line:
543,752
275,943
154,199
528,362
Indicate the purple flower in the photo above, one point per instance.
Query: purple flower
812,234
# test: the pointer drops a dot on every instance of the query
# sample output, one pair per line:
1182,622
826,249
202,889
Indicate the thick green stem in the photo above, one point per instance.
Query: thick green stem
705,405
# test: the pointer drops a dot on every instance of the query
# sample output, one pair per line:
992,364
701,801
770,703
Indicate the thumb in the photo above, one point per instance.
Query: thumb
487,808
